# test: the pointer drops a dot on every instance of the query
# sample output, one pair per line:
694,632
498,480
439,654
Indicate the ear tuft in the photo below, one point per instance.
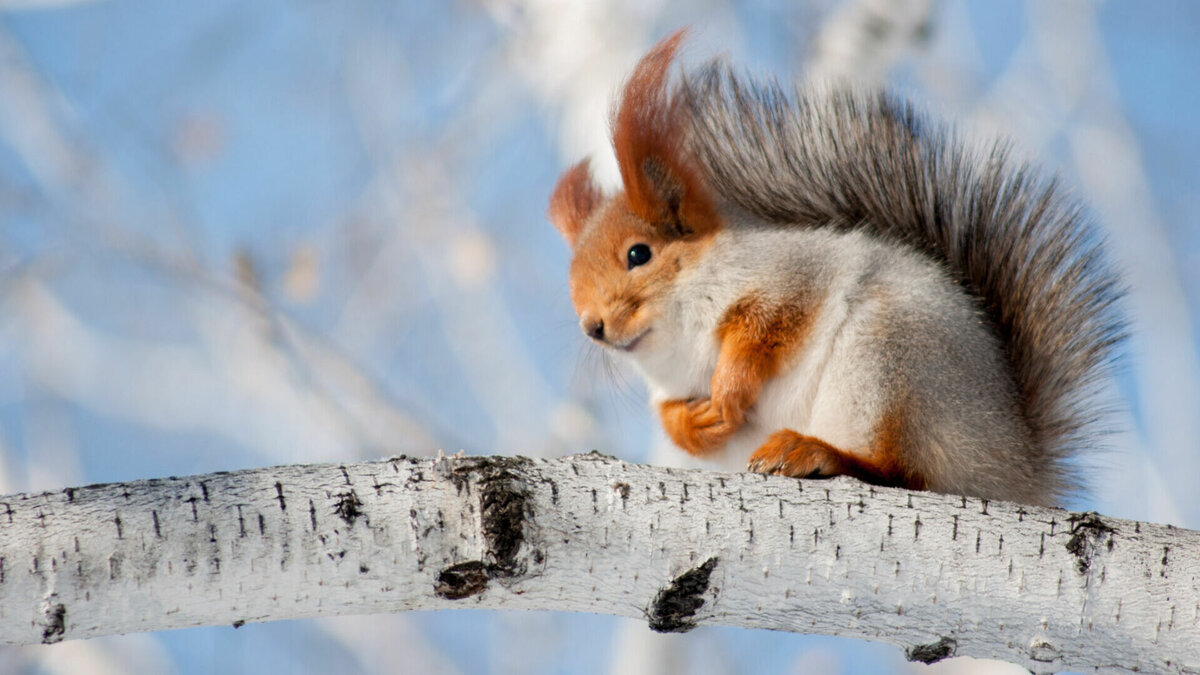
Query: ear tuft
661,179
573,200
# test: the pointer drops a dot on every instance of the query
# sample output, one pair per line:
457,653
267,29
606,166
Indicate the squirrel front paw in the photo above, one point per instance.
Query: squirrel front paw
697,425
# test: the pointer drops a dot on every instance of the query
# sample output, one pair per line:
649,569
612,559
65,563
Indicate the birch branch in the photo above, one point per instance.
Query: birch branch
936,574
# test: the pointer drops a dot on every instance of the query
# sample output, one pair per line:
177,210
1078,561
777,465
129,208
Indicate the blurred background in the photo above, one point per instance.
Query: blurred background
236,234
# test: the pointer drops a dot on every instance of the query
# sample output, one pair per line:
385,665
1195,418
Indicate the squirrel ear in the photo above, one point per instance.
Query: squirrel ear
573,200
650,129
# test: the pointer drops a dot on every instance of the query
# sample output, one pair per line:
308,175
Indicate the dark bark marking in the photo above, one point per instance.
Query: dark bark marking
932,652
623,490
157,527
239,623
504,505
348,508
204,490
312,514
279,496
1086,531
675,606
56,624
462,580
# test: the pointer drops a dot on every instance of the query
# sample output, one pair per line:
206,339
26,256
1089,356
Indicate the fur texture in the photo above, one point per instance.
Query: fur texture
839,285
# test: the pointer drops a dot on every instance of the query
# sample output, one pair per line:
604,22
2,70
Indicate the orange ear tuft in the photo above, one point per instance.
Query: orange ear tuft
574,198
661,180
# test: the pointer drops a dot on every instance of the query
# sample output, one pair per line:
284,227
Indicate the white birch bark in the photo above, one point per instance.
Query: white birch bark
935,574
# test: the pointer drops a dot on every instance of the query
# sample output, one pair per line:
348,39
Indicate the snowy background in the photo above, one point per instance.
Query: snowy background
235,234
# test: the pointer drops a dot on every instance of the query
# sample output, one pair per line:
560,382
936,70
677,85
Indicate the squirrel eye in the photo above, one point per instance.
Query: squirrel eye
639,254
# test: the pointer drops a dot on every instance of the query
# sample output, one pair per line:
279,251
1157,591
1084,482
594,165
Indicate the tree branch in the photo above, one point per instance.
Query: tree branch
936,574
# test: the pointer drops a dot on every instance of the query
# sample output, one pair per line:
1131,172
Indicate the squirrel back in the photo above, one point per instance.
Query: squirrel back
719,154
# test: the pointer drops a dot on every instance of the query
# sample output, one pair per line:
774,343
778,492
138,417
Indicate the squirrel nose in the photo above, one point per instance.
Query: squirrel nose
594,328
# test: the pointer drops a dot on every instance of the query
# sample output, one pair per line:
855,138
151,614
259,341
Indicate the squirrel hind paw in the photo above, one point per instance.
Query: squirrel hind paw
788,453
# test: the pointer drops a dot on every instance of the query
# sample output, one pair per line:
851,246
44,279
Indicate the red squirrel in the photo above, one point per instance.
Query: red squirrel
828,282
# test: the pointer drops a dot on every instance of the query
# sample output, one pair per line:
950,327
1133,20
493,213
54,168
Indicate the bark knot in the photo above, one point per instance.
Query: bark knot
674,608
932,652
462,580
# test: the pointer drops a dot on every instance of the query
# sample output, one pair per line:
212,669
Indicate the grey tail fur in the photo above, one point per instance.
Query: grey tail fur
870,161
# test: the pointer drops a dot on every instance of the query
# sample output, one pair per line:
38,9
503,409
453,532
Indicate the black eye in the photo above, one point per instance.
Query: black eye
639,254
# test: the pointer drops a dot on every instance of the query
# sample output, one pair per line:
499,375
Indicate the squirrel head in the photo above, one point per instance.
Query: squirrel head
629,247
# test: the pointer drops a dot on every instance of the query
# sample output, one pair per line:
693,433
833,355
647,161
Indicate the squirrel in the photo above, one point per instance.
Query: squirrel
829,282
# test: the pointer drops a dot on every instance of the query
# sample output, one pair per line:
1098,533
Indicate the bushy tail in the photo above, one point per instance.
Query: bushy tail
855,160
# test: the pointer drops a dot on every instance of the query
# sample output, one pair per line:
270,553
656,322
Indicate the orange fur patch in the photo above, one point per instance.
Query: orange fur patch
756,340
573,200
664,186
889,449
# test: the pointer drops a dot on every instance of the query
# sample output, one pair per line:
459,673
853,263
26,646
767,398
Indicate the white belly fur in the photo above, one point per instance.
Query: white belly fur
805,396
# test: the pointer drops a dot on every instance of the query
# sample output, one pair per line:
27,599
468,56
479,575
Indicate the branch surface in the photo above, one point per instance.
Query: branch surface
938,575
